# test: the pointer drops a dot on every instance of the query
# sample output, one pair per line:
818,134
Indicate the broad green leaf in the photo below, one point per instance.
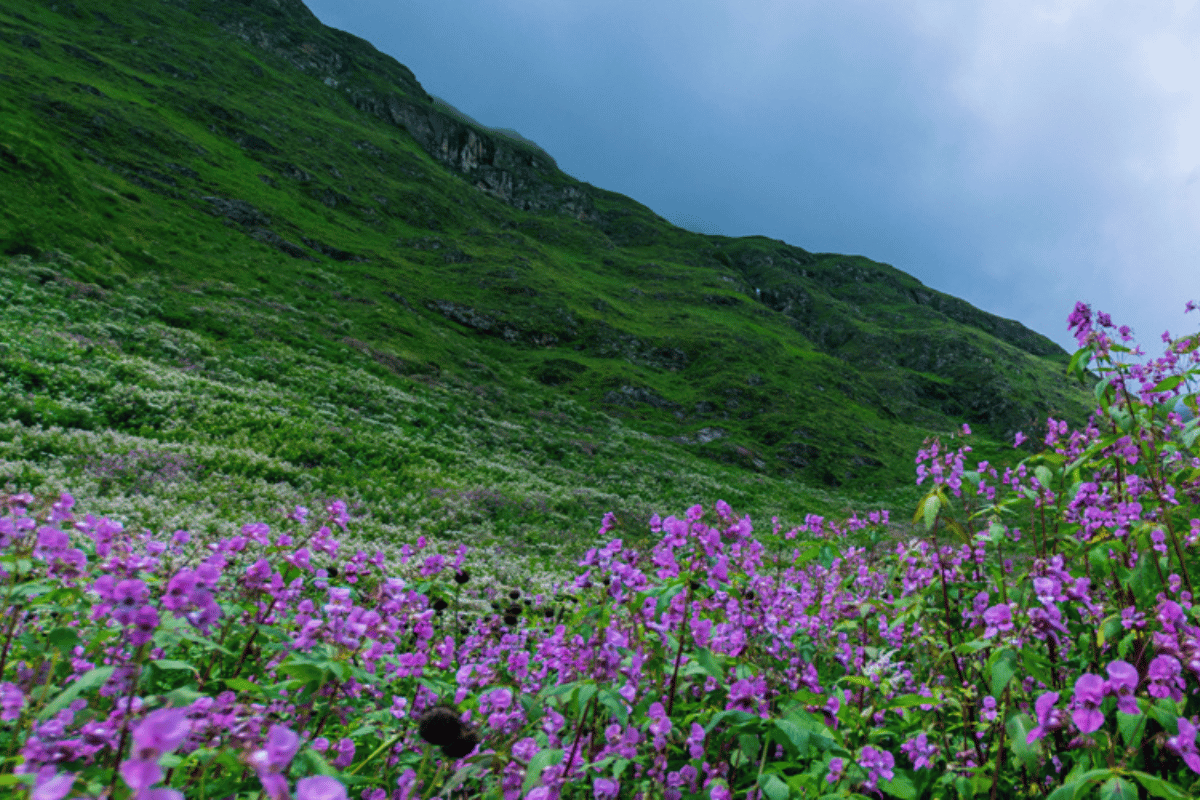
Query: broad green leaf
705,658
910,700
1117,788
1064,792
1079,362
533,773
1158,787
1132,728
1004,666
63,639
1019,726
1167,384
1045,476
168,663
750,746
930,510
794,733
774,788
92,679
243,685
900,786
614,703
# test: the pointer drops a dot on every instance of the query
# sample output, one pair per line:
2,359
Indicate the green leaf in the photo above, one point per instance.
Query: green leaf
930,510
774,788
614,703
749,745
533,773
1132,728
900,786
1158,787
708,662
92,679
167,663
1045,476
794,733
1019,726
1064,792
1078,365
910,700
1167,384
63,639
243,685
1004,666
1117,788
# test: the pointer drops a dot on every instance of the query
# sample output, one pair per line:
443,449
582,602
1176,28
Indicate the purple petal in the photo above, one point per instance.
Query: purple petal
320,787
1088,720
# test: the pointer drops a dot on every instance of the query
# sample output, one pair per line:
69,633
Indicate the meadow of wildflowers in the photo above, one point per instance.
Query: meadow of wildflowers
1037,639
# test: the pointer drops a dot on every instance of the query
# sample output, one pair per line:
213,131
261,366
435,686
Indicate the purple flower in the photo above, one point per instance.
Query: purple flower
1123,682
145,622
49,786
273,758
345,750
12,700
998,618
140,773
161,732
1183,744
837,766
1089,692
878,764
605,789
920,751
1165,680
127,597
1049,718
320,787
282,745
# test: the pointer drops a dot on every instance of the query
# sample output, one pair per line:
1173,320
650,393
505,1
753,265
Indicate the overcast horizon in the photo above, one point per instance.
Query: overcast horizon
1021,155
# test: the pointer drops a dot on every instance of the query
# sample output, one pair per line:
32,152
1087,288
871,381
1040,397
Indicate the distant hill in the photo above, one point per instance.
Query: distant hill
245,145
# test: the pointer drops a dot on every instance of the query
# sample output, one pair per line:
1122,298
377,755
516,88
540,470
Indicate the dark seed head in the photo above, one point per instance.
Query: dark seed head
513,611
509,619
461,577
462,744
440,604
333,572
439,725
514,595
527,602
607,580
548,611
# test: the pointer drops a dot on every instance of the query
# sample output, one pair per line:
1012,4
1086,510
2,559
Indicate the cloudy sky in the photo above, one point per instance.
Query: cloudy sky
1020,154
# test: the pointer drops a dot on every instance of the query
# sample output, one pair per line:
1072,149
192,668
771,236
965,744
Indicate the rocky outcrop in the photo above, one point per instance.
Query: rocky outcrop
501,164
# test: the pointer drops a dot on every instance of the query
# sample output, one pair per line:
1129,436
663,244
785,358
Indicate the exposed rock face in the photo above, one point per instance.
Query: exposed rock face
517,173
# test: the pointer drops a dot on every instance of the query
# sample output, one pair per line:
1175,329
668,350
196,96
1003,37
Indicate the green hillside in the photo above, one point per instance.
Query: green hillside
254,247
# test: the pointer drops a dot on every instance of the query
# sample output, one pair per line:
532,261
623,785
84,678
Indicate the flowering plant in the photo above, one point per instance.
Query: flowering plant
1034,633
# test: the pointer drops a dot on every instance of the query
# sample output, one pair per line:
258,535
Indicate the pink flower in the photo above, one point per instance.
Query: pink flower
1089,692
998,618
1183,744
49,786
605,789
1049,718
161,732
1165,679
1123,682
320,787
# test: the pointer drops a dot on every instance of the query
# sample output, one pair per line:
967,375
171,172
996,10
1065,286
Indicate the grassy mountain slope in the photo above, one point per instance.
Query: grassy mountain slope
277,201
